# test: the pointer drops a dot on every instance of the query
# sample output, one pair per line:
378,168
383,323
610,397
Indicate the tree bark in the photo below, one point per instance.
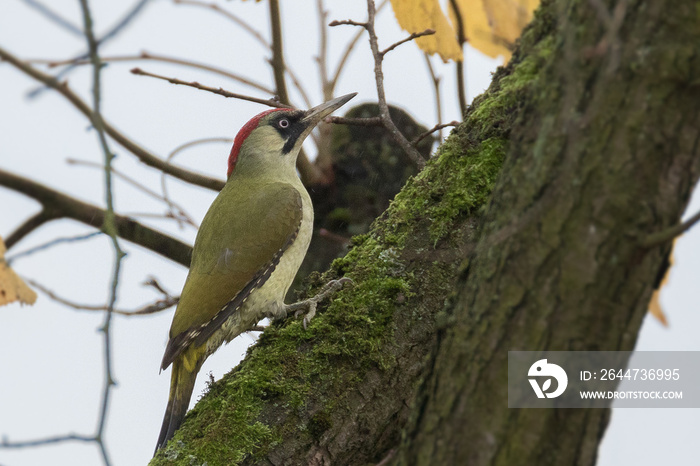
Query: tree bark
605,155
524,233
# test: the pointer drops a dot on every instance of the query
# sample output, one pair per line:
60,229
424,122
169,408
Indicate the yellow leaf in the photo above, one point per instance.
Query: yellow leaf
12,288
655,308
419,15
492,26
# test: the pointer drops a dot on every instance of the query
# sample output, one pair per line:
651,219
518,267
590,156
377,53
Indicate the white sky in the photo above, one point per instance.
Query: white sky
51,369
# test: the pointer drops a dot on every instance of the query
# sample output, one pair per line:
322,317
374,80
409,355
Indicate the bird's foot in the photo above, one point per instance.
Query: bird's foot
310,304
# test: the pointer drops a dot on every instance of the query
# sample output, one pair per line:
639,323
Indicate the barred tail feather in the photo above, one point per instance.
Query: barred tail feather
181,387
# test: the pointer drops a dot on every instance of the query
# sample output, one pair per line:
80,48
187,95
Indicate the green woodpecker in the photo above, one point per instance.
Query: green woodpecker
247,251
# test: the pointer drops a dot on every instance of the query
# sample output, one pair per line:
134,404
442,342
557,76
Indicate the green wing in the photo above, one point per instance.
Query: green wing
238,245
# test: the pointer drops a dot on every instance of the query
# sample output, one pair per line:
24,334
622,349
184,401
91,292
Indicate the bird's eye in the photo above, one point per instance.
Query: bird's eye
283,123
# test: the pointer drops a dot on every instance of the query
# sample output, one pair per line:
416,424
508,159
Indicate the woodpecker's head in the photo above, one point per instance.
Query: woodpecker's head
274,137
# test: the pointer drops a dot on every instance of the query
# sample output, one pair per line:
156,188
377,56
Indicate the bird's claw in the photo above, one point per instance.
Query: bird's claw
308,315
310,304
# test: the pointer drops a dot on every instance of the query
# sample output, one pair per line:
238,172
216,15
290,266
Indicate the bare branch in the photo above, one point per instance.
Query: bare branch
196,142
122,23
310,174
259,37
322,58
381,97
164,59
415,35
155,307
347,22
163,184
657,239
349,48
109,227
299,87
437,127
368,121
459,65
178,212
240,22
142,154
436,88
31,224
153,282
49,244
109,35
55,17
378,56
46,441
277,61
219,91
60,205
336,238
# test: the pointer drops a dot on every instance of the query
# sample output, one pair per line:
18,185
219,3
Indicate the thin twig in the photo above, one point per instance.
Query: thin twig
324,153
389,456
142,154
55,17
310,173
459,65
168,215
196,142
415,35
656,239
299,87
240,22
109,35
398,137
368,121
164,59
347,22
436,87
343,60
437,127
336,238
50,244
178,212
109,227
122,23
255,34
277,62
171,156
322,58
154,283
31,224
157,306
219,91
349,48
46,441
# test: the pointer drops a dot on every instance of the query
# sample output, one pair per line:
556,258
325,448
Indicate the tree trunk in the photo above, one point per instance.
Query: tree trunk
526,232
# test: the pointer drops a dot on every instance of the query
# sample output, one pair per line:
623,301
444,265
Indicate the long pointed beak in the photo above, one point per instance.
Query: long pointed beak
318,113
